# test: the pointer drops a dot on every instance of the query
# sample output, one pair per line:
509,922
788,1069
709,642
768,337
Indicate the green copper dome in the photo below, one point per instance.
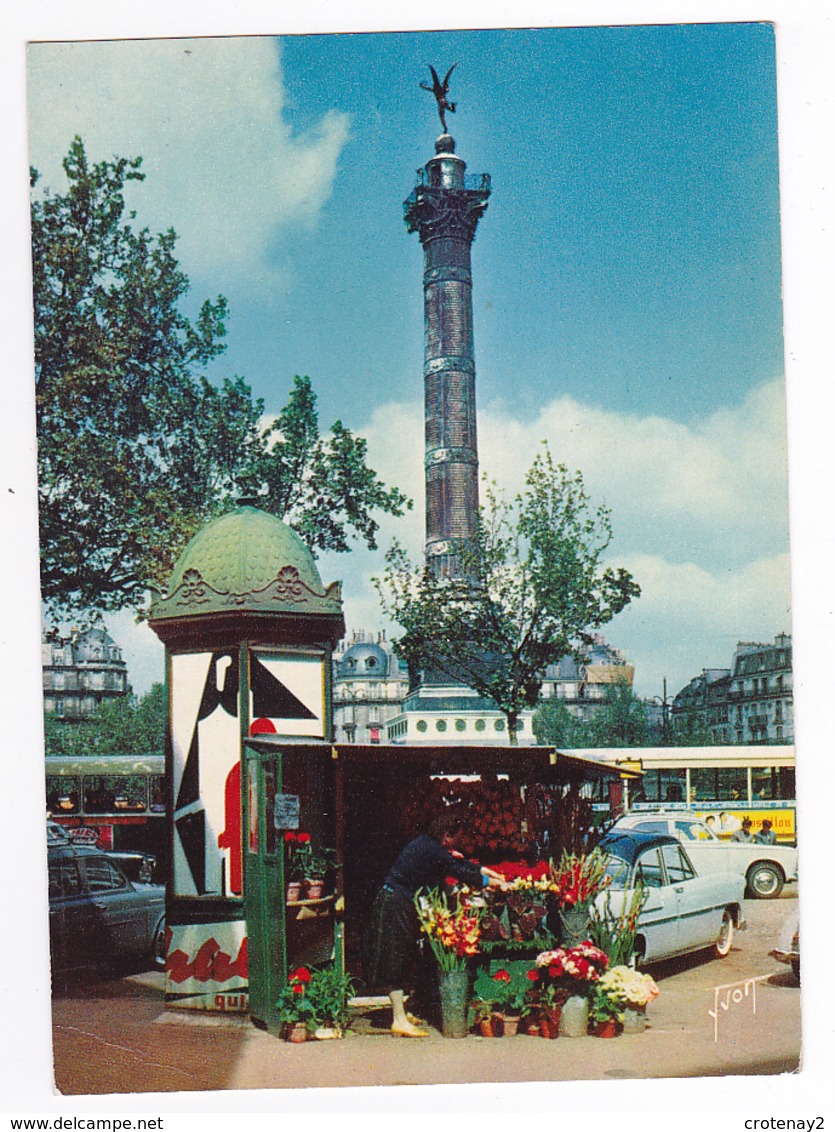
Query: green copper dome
245,560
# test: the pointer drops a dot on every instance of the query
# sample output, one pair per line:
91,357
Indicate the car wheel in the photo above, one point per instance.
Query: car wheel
725,939
765,881
158,946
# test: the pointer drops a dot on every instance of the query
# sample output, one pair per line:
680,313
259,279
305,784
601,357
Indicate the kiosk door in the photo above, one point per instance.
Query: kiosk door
289,804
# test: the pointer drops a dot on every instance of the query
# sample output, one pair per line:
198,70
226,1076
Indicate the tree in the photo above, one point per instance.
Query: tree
122,726
136,446
531,587
622,719
555,726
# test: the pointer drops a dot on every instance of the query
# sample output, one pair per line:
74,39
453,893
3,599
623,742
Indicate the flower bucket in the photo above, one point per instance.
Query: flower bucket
574,1018
574,925
454,988
634,1019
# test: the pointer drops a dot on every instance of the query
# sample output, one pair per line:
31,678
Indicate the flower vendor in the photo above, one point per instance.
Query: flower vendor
424,863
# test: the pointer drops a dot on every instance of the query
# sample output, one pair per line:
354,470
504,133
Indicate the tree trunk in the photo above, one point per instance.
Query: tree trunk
511,728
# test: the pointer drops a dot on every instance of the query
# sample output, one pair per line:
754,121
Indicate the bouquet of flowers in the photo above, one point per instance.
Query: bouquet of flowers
453,932
576,880
615,934
568,971
632,988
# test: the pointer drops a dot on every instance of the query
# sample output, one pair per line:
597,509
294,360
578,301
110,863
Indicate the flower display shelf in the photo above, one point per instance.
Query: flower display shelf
306,909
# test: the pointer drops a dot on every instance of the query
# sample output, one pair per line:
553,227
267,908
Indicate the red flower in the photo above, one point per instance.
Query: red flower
298,988
289,835
303,838
300,975
501,976
533,975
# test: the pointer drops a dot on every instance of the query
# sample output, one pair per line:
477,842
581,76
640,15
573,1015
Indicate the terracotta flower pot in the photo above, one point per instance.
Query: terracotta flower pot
533,1026
549,1022
490,1027
607,1029
296,1032
510,1025
314,888
294,891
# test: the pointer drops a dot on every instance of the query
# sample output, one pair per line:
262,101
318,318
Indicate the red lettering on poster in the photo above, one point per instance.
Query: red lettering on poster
230,838
210,963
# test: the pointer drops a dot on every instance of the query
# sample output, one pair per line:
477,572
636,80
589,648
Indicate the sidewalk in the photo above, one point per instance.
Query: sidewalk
118,1038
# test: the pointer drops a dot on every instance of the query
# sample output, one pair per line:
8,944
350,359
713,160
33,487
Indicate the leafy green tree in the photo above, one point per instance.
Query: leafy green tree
122,726
531,586
555,726
136,446
688,730
622,719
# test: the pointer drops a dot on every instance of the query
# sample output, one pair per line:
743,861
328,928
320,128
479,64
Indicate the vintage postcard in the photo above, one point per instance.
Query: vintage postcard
413,494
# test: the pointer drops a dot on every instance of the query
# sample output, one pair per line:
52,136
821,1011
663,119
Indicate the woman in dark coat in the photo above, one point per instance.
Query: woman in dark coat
394,931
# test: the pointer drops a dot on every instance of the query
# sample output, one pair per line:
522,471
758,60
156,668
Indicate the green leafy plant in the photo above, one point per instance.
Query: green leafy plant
506,989
615,933
317,997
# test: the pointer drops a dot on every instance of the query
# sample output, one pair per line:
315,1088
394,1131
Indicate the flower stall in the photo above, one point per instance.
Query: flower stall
323,824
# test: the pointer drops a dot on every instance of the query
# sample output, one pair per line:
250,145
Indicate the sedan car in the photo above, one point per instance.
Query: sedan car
684,911
766,868
96,914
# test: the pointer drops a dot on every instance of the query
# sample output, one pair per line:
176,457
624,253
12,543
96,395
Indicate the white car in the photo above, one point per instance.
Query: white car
766,868
685,910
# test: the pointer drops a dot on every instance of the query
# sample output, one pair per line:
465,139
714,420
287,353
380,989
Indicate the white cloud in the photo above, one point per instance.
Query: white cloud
722,485
223,166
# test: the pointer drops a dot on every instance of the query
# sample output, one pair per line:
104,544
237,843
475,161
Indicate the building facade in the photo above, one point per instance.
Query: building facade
750,703
369,684
583,684
80,673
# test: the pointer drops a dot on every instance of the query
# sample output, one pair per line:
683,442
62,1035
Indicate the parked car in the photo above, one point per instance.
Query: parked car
788,949
96,914
684,911
138,867
766,868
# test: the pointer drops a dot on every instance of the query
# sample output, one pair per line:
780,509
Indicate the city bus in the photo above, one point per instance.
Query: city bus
730,783
111,801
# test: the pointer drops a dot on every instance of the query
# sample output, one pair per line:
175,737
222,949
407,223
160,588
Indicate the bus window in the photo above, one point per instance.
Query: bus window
62,794
703,781
649,784
733,784
115,793
157,794
764,782
673,784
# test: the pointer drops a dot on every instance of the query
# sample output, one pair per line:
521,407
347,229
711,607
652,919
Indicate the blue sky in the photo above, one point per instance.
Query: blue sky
627,273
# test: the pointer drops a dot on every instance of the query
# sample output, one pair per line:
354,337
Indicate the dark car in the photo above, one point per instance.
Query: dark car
137,867
97,915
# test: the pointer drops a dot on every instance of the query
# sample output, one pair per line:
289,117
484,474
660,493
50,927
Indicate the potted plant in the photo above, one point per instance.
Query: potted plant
547,998
296,851
606,1006
486,1020
636,991
295,1007
329,992
453,932
510,998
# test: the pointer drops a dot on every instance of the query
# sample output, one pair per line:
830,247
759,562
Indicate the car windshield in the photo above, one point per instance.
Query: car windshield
694,831
617,870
